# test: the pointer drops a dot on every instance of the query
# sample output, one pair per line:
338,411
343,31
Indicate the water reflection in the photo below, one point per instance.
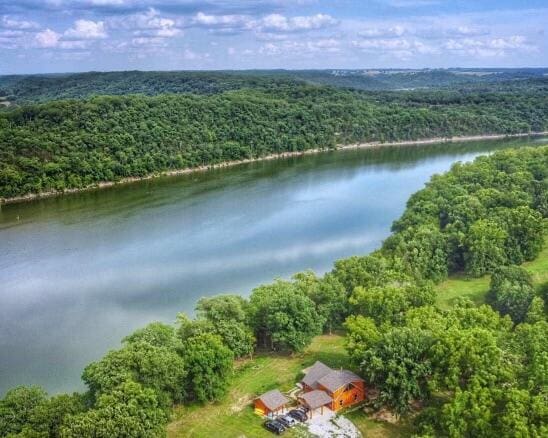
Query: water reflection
80,272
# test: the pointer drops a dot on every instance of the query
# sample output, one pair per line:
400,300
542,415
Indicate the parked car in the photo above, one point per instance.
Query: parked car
298,415
275,426
287,420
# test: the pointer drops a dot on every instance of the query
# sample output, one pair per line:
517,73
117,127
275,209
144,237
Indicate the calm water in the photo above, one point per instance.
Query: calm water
78,273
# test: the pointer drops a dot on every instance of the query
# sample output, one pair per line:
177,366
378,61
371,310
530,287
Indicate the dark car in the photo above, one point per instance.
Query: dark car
287,420
298,415
275,426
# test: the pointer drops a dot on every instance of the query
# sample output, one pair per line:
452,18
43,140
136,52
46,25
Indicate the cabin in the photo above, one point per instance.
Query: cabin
271,403
341,387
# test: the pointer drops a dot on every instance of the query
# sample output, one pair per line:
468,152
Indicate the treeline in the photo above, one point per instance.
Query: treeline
37,88
77,143
21,89
470,371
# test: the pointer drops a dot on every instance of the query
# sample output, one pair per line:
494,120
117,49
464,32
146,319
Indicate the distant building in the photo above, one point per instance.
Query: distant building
334,389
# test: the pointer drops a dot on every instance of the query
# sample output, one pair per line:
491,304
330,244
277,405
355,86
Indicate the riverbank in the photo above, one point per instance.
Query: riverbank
129,180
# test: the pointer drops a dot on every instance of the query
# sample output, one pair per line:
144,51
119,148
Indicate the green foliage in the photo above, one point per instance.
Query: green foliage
18,406
222,308
328,295
70,144
485,247
399,366
481,411
209,364
283,316
475,218
226,316
26,412
155,367
367,271
511,292
128,411
389,303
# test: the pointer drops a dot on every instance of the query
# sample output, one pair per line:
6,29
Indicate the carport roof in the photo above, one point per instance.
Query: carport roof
273,399
315,399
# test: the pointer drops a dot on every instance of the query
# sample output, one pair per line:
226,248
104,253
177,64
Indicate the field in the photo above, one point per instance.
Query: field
234,416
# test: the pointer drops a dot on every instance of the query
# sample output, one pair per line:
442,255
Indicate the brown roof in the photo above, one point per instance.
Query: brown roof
273,399
315,373
338,378
315,399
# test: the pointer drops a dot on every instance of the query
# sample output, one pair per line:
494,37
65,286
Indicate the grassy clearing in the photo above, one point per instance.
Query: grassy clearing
476,288
234,416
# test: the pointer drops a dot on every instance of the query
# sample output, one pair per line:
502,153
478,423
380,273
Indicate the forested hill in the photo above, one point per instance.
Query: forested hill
36,88
77,143
19,89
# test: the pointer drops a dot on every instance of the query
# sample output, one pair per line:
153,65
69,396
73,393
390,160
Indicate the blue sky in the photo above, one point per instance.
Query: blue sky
78,35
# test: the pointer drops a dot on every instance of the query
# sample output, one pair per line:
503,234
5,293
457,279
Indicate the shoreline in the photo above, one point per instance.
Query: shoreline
187,170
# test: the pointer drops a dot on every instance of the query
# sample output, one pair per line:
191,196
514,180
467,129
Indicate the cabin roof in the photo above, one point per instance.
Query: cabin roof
338,378
315,373
273,399
315,399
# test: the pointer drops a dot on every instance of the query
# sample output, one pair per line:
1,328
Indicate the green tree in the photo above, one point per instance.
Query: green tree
511,292
209,364
389,303
18,407
328,295
222,308
155,367
127,411
283,316
485,247
398,364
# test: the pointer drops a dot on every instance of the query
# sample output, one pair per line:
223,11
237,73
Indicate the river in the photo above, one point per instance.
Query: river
79,272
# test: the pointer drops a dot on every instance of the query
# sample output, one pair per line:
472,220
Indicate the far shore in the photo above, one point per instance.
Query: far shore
104,184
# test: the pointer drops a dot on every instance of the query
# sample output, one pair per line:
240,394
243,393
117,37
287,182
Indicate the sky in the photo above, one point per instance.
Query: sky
46,36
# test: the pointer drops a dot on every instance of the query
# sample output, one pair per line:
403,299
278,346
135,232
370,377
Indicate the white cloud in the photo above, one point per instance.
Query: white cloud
86,30
394,31
233,21
402,48
148,24
149,42
281,23
47,39
302,48
489,47
108,2
11,23
269,24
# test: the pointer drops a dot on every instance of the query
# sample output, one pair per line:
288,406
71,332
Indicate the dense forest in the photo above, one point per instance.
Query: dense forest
469,371
68,144
19,89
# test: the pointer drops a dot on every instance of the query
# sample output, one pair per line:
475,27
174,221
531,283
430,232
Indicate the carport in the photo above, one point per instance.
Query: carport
315,400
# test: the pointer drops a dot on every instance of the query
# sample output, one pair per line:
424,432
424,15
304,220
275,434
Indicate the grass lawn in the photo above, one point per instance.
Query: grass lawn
476,288
234,416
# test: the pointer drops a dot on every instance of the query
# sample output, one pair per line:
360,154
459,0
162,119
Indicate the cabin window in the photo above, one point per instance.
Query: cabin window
340,402
355,397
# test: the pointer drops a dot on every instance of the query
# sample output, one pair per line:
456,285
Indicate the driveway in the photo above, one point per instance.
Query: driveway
330,425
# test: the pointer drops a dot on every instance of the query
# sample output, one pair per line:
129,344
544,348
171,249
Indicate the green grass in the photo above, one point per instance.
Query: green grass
234,416
476,288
